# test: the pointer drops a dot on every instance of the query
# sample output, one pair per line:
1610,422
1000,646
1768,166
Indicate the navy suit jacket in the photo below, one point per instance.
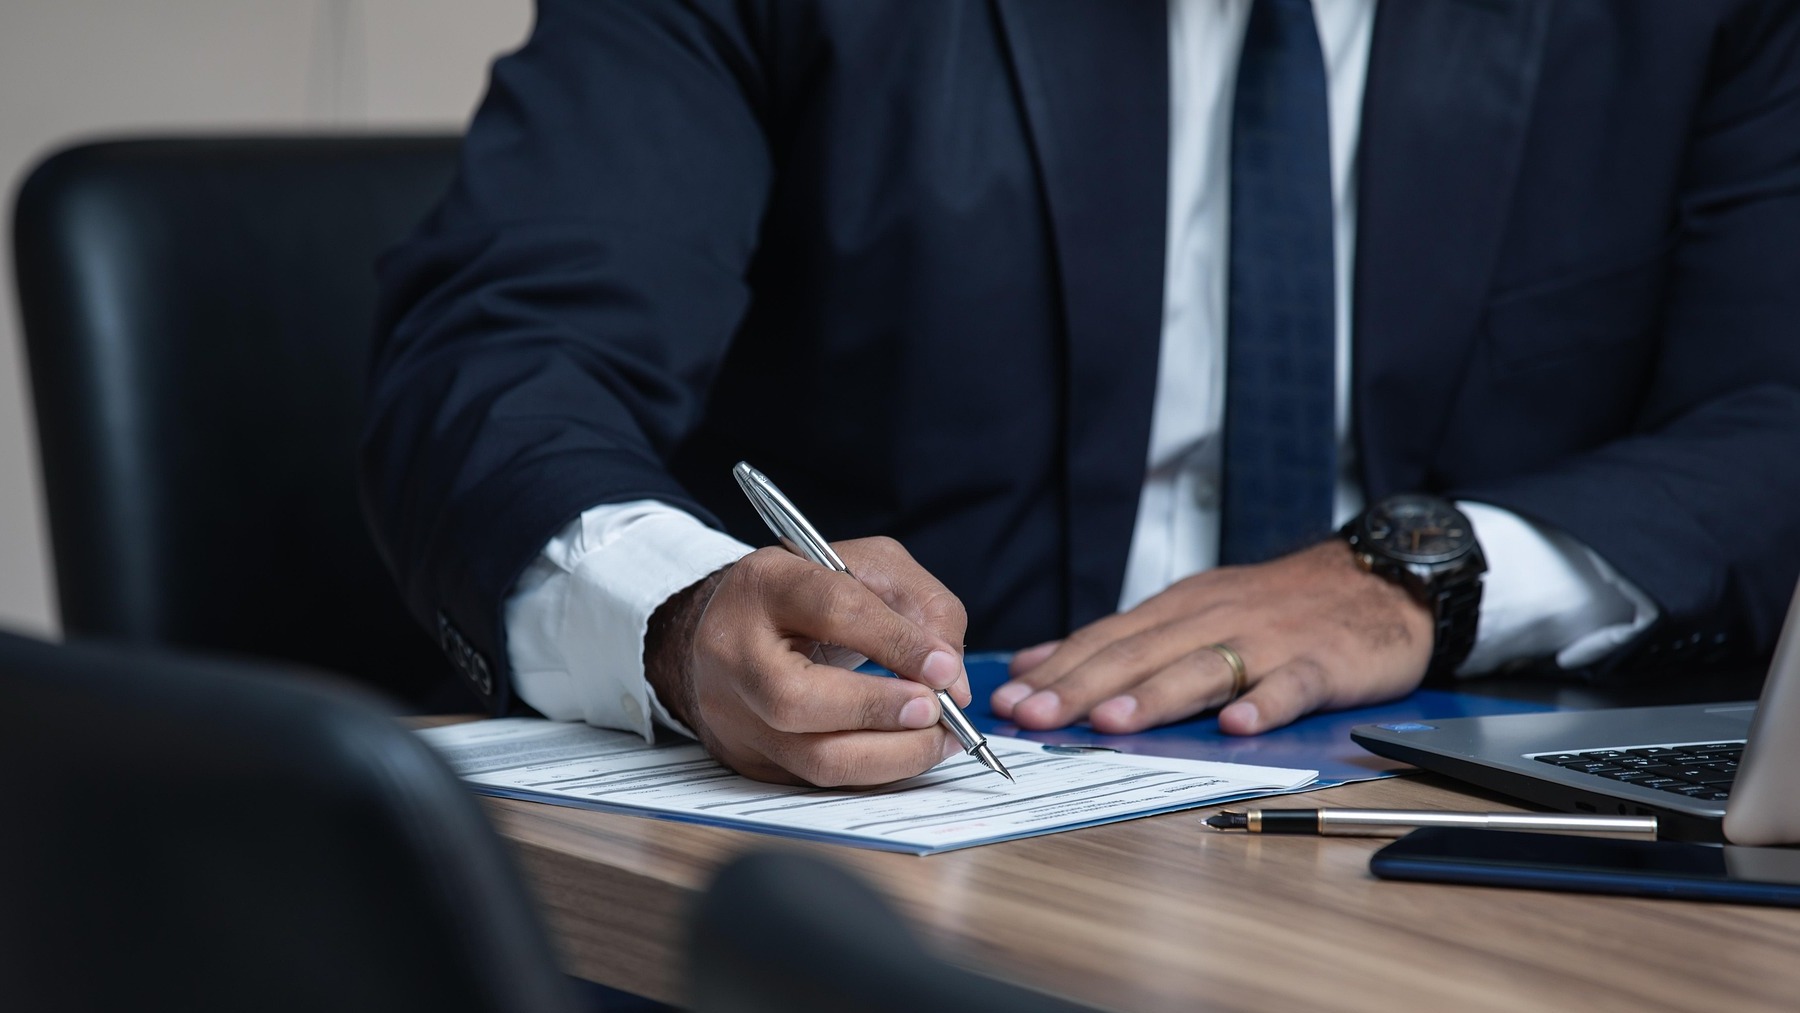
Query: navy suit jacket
907,258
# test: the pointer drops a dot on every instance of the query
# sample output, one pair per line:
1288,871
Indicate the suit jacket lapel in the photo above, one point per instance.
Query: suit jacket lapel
1445,109
1093,78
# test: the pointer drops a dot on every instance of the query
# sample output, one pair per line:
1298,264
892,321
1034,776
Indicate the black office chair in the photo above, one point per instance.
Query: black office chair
784,932
207,836
197,319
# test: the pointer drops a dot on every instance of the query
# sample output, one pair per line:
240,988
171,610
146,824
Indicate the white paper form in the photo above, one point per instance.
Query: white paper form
954,805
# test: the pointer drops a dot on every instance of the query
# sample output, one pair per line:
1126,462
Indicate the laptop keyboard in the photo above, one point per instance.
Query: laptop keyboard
1702,771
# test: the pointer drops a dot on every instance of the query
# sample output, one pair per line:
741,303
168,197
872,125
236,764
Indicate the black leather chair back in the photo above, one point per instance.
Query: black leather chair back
784,932
205,836
197,319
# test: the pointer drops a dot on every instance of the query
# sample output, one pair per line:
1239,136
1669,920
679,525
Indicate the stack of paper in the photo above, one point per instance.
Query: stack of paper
955,805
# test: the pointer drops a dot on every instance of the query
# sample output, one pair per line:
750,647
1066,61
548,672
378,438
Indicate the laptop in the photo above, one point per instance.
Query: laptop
1708,772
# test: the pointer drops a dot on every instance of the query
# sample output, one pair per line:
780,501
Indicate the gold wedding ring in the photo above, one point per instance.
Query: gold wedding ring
1236,662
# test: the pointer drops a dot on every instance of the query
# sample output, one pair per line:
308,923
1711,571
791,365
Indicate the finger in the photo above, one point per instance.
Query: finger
1031,657
885,567
792,695
1008,694
1194,682
1064,657
1286,693
858,759
1113,669
835,608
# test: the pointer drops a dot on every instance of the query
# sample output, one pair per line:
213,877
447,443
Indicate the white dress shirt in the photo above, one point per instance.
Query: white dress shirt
577,619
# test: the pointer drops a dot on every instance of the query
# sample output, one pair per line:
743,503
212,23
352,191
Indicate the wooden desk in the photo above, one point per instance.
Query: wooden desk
1161,914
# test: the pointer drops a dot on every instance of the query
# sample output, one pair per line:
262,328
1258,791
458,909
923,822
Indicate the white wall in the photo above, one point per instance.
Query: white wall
83,68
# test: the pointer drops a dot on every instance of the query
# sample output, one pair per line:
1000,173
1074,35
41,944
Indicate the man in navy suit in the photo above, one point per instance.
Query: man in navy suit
1016,283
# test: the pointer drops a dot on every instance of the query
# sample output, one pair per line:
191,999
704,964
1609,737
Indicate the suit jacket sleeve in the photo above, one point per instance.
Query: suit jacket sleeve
1700,505
550,332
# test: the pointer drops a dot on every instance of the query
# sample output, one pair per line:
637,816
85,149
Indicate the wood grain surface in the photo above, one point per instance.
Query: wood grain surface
1163,914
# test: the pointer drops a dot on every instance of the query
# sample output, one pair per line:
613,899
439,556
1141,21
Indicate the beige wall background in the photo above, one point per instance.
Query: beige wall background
75,69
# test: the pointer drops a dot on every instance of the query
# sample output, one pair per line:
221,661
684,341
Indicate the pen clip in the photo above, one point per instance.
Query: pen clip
783,518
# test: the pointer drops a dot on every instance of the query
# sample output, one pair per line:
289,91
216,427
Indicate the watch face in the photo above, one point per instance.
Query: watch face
1417,529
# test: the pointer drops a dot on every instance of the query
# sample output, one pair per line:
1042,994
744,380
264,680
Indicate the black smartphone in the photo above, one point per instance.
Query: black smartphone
1674,869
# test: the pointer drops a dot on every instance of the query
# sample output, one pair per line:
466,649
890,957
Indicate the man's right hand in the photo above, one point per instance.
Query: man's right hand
731,656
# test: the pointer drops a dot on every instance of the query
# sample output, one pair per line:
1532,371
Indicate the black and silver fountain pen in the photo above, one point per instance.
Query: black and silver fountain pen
1394,822
798,536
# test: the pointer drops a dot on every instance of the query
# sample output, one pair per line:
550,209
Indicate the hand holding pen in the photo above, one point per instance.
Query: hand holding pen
730,656
798,536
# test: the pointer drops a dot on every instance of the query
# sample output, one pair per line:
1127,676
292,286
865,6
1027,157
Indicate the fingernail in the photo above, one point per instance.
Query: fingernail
1119,709
919,712
1241,716
1007,695
941,670
1041,706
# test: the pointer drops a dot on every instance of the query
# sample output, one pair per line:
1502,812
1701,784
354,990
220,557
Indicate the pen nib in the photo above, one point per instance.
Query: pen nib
986,756
1227,820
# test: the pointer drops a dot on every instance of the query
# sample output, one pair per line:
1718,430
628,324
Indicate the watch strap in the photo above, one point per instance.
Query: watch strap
1455,612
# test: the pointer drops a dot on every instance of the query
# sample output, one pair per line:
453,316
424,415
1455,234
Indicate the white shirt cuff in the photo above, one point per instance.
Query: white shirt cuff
1546,594
576,621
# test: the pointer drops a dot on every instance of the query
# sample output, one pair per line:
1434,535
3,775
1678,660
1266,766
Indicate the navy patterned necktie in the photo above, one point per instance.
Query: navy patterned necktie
1280,445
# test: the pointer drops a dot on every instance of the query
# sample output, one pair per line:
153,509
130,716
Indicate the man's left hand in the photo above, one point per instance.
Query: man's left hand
1314,630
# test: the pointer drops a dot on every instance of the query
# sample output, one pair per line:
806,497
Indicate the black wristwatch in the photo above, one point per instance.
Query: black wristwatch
1427,546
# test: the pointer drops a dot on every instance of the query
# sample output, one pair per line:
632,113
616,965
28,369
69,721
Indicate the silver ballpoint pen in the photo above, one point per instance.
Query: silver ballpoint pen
798,536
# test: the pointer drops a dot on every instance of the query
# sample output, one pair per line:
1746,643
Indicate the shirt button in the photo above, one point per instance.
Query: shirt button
1206,493
628,706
